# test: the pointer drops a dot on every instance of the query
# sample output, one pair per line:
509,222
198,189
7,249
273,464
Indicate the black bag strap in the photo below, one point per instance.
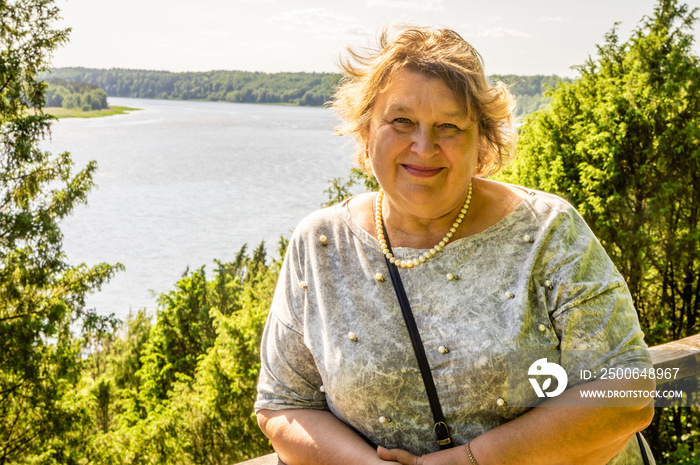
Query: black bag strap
643,449
442,432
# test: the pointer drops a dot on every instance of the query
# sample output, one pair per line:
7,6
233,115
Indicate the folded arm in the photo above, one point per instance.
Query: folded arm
589,433
311,437
554,434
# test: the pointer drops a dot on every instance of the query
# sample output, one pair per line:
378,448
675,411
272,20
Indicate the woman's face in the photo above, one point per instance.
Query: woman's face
421,145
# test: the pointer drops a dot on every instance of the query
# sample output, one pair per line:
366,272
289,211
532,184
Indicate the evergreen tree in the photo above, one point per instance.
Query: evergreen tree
182,390
42,298
622,143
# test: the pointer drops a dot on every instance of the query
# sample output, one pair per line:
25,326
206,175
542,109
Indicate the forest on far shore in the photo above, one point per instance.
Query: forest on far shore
301,88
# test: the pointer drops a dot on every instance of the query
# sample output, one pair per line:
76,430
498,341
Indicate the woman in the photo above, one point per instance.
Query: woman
488,268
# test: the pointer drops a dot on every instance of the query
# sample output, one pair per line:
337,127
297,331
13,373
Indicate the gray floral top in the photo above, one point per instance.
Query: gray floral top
335,338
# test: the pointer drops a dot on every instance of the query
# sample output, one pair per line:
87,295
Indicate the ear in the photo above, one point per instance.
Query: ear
366,165
366,162
481,154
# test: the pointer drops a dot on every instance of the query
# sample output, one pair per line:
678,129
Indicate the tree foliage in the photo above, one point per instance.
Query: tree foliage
311,89
340,189
42,298
181,390
622,143
530,91
72,94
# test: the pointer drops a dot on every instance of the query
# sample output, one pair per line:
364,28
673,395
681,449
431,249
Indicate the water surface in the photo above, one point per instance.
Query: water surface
183,183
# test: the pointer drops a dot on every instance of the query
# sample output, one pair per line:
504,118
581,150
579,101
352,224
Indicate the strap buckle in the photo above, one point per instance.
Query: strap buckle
442,434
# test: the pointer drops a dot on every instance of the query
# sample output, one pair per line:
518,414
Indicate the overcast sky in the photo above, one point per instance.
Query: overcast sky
513,36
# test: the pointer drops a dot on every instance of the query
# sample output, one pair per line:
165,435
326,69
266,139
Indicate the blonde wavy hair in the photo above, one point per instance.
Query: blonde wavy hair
435,52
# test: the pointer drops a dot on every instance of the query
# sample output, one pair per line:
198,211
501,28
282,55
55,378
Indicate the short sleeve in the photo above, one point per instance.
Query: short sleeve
591,307
289,378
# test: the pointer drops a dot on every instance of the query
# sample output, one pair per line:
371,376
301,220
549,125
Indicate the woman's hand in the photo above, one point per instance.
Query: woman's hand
454,456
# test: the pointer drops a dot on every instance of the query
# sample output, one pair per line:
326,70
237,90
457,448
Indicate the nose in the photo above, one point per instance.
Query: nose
424,141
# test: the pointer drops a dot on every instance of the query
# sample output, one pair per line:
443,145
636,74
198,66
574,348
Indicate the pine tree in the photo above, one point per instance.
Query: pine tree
42,298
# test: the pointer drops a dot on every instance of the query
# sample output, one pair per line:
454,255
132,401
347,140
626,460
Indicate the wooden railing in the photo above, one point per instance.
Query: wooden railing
683,354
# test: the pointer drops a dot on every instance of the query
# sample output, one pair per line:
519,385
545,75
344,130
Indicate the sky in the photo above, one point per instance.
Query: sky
513,36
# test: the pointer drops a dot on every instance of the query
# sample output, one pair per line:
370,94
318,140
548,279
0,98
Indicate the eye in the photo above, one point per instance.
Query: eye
402,120
448,129
449,126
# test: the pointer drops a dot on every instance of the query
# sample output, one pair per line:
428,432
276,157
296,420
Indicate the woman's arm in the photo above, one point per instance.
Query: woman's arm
314,437
552,434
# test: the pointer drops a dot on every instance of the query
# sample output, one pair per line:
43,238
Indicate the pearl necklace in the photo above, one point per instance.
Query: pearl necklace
430,253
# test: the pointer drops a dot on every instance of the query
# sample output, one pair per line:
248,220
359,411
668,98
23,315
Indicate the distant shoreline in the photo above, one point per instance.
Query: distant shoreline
60,112
297,89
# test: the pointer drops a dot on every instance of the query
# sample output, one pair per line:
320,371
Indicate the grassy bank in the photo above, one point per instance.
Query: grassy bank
76,113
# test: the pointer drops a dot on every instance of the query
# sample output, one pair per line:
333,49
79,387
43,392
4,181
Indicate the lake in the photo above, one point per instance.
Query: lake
182,183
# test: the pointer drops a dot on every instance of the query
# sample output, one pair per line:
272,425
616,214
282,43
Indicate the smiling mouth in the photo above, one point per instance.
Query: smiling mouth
422,171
